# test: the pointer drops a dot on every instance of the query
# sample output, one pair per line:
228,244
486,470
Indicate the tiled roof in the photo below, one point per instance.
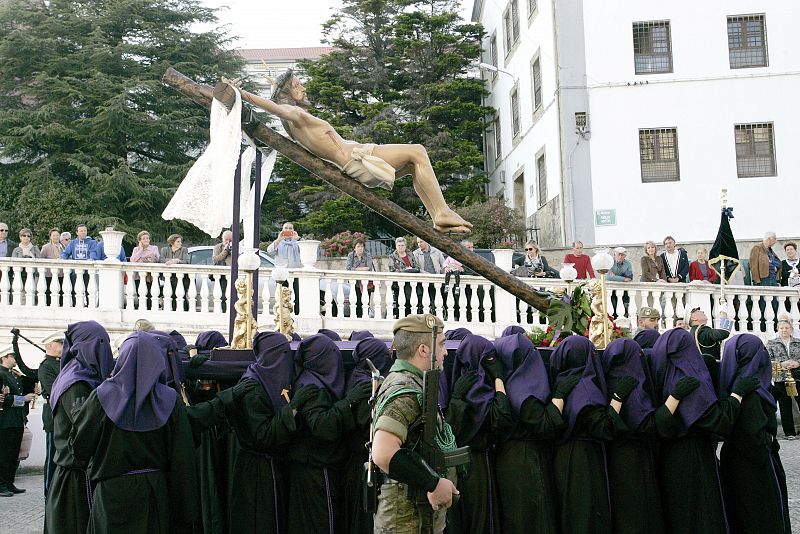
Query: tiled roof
274,54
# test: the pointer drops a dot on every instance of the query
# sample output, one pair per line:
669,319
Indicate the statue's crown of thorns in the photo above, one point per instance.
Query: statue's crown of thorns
281,82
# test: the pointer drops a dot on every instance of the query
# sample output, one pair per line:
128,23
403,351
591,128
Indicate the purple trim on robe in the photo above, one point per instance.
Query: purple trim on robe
137,398
746,355
528,375
470,354
273,368
675,355
646,338
624,357
377,352
577,356
318,362
85,357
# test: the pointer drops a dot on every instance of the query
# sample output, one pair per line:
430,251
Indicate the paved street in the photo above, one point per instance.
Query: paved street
24,514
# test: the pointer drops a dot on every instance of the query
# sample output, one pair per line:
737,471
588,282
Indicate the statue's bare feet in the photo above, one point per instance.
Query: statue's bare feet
451,222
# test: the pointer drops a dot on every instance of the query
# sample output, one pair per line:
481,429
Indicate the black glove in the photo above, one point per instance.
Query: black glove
15,331
197,360
745,385
566,386
684,387
493,368
358,393
623,388
463,385
302,396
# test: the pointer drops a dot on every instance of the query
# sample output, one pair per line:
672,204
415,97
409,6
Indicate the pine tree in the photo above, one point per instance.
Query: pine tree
83,111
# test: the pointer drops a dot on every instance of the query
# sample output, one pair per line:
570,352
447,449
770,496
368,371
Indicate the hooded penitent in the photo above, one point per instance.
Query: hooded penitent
85,357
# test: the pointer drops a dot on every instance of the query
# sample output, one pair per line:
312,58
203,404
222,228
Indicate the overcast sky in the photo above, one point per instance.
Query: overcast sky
281,23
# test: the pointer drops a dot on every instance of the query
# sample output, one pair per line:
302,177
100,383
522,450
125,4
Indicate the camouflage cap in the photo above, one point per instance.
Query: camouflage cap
646,312
418,323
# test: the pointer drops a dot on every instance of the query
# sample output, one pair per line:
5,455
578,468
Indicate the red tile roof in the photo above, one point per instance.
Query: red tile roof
267,54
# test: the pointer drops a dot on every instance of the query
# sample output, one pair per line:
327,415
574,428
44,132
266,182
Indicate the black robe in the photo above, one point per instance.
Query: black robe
317,458
68,497
753,480
259,474
633,478
163,499
527,502
356,520
478,509
689,479
581,476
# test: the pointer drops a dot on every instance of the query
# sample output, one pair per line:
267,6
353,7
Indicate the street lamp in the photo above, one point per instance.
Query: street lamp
568,274
492,68
602,263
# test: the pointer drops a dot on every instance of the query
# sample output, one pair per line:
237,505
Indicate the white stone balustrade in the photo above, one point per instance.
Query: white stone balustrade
191,298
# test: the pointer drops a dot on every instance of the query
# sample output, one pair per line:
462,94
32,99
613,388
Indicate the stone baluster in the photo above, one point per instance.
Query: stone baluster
142,290
217,291
30,284
340,282
5,285
55,289
80,287
91,288
191,293
16,288
130,290
378,299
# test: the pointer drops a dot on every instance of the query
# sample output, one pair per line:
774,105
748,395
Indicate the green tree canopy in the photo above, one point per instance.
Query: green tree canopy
399,73
88,133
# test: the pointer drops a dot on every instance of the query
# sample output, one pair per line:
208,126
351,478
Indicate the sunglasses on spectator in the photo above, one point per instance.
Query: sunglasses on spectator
25,235
3,229
530,249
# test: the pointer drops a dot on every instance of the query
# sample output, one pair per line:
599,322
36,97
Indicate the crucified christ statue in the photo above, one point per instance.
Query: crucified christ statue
371,164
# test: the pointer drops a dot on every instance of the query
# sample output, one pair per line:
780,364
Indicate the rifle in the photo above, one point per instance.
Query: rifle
429,450
370,501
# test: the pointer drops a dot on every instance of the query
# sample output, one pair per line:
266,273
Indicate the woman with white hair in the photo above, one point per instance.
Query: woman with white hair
785,351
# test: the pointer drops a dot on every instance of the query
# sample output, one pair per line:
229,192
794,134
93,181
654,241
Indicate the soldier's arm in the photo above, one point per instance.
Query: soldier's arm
708,336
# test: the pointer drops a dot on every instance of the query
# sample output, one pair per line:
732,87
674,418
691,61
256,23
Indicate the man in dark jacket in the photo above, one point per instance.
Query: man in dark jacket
676,261
12,422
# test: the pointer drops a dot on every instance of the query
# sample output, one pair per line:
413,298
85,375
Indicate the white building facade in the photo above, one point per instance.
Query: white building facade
620,121
265,64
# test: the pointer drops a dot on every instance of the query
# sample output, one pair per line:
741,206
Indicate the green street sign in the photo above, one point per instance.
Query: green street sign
605,217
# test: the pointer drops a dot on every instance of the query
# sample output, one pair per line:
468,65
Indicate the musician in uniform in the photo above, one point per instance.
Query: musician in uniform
397,435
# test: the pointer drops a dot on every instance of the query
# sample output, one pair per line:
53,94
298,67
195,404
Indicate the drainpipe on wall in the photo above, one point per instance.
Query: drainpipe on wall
561,140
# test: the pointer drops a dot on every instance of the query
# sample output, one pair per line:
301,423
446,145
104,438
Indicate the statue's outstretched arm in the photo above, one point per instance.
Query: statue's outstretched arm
282,111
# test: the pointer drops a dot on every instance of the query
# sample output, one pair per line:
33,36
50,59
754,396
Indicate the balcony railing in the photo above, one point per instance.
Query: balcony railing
49,294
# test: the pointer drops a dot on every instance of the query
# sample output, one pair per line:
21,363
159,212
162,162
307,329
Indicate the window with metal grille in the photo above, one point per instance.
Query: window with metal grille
532,4
536,74
541,180
755,150
498,146
511,25
652,47
658,154
493,55
747,41
515,112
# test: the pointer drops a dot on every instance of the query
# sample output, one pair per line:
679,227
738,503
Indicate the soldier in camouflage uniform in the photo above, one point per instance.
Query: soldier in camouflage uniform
396,435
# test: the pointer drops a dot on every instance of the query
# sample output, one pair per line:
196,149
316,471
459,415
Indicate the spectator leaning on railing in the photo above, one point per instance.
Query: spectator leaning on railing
676,261
790,266
79,248
174,252
701,270
581,261
765,267
26,249
652,264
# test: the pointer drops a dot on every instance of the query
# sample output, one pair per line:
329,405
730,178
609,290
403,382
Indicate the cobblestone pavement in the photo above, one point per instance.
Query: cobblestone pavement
24,514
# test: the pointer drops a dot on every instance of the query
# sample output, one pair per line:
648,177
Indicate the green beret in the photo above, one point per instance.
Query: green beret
648,313
418,323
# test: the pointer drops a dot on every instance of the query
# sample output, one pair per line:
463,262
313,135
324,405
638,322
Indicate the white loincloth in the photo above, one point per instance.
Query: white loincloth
370,170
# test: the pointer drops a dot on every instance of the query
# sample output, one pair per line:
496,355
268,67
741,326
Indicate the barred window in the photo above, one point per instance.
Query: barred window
755,150
532,4
497,137
747,41
515,112
511,25
537,83
541,180
658,154
652,47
